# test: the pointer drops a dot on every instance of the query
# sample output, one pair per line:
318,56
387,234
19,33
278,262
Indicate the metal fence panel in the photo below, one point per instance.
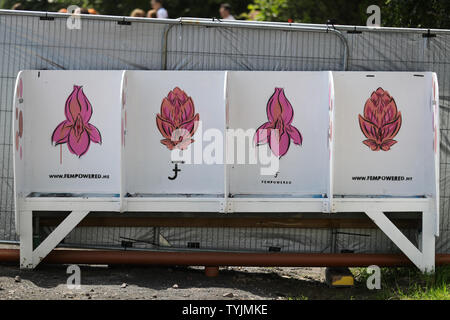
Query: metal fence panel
225,48
411,51
27,42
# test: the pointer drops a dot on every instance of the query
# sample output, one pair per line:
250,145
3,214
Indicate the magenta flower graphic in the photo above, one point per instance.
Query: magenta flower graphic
76,130
20,89
177,121
381,121
278,131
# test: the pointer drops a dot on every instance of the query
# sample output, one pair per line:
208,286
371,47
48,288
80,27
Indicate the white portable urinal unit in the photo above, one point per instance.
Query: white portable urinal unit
66,132
387,152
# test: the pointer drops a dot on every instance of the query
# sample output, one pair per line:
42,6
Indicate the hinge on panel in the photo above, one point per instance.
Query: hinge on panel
429,34
354,31
123,22
330,24
46,17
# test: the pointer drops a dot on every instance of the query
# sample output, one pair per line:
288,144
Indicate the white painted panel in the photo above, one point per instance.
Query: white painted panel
254,99
77,159
148,158
398,158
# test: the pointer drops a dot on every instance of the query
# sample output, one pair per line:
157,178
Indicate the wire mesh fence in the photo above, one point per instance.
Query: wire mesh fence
286,240
44,41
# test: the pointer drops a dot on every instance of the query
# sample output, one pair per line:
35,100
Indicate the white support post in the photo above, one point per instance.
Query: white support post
29,259
428,242
26,239
424,259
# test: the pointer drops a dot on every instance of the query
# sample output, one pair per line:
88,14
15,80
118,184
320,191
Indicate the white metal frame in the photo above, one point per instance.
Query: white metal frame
81,207
424,256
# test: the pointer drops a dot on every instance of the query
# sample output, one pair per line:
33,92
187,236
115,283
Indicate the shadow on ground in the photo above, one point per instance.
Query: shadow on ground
137,282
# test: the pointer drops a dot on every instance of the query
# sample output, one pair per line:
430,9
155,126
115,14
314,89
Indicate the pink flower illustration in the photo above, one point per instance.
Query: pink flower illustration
20,89
19,118
278,131
76,130
381,121
177,121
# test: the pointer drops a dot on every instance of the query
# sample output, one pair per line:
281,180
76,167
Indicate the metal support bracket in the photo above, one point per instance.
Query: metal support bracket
30,258
326,206
229,207
424,258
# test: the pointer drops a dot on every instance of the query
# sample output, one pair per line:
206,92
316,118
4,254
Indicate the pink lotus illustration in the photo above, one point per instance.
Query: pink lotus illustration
278,131
76,130
177,121
381,121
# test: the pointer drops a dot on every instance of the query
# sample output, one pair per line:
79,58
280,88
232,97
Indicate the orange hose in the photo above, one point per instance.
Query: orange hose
221,258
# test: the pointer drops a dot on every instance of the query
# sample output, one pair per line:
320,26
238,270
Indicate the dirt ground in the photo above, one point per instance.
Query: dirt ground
186,283
171,283
127,282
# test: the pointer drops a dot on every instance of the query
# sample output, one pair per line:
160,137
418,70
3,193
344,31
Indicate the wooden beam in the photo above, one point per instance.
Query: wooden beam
226,222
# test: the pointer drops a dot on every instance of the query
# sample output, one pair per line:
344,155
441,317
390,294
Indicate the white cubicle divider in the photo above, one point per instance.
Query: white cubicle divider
278,149
223,142
65,125
384,135
387,150
66,128
174,124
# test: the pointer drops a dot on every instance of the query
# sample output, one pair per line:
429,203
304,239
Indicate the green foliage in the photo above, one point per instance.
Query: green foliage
408,283
269,10
39,5
176,8
312,11
395,13
417,14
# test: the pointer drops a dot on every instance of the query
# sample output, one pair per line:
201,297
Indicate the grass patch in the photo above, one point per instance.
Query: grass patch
409,283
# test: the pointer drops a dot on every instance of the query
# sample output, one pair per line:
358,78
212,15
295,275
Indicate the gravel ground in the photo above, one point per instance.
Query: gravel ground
186,283
189,283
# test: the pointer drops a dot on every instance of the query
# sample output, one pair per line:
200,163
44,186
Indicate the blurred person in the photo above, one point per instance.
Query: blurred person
17,6
92,11
157,5
225,12
152,14
138,13
81,11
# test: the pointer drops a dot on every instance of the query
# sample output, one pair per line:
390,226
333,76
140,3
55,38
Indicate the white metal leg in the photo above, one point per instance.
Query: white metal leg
26,239
29,259
428,242
424,259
